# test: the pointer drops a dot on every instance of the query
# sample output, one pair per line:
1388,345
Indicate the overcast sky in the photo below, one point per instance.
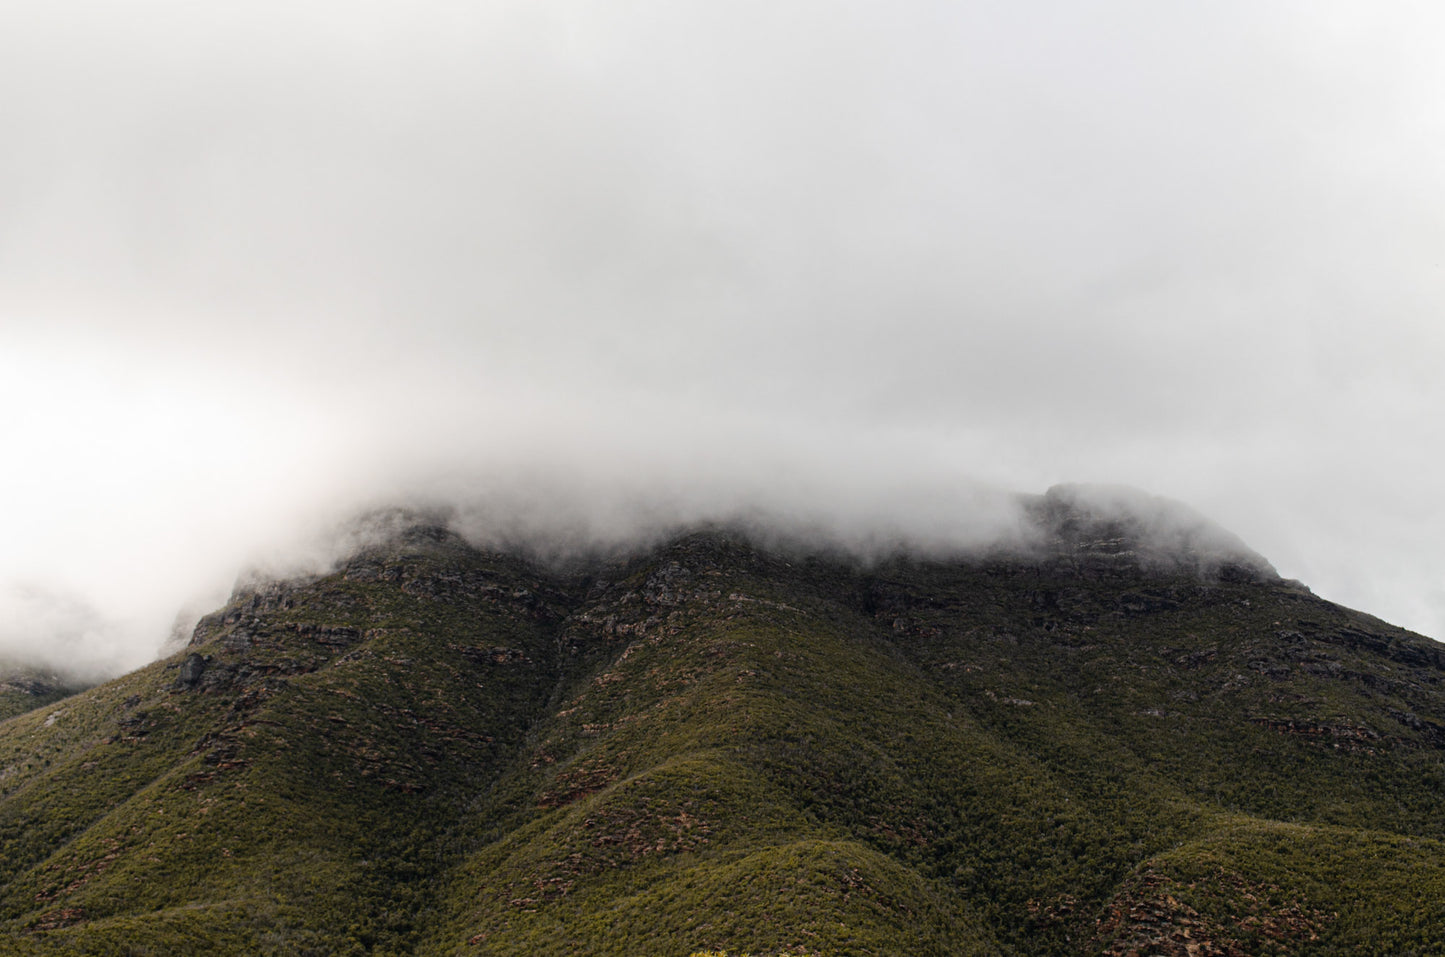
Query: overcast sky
262,262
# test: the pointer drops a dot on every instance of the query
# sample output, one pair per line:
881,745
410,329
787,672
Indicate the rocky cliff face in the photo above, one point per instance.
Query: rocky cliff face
1129,737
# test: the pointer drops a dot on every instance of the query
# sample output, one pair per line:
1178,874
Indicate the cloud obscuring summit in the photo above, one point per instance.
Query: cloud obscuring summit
261,265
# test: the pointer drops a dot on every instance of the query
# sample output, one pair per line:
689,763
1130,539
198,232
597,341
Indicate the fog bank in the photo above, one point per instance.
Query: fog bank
262,265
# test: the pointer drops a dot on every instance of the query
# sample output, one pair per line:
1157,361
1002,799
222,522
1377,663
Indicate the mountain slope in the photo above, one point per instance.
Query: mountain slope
1097,745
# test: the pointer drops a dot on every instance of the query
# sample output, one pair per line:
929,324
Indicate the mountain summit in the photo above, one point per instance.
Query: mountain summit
1124,734
1104,526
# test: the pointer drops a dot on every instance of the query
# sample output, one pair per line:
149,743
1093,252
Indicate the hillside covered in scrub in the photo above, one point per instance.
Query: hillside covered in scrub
1123,738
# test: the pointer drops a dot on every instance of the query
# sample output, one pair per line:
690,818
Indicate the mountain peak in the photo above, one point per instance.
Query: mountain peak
1103,527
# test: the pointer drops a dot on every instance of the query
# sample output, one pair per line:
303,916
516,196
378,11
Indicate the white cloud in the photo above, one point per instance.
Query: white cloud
262,261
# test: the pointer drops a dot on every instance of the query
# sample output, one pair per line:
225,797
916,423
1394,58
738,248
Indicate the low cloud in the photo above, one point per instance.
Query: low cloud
62,635
599,269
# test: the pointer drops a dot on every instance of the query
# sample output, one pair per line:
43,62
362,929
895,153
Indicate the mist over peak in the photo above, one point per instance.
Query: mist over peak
587,274
1122,523
559,521
1090,527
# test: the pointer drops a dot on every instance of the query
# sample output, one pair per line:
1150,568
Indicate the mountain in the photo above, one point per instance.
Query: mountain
25,687
1123,733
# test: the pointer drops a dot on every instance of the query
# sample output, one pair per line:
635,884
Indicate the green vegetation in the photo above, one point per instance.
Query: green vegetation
24,689
712,748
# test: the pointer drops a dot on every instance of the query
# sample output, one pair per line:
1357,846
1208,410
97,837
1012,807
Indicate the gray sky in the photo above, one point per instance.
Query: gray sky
858,262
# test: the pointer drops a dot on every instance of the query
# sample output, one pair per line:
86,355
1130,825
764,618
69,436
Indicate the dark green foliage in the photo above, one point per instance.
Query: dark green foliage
439,751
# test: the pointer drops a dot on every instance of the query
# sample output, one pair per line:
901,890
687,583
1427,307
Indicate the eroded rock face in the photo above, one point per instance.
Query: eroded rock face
191,671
